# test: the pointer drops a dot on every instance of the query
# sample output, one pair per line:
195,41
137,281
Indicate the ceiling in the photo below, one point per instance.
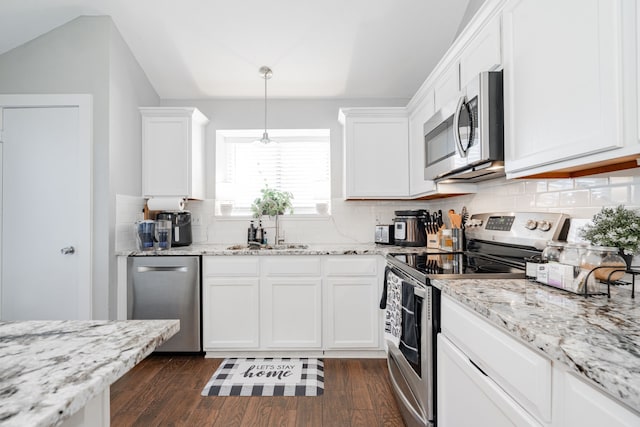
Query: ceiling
214,48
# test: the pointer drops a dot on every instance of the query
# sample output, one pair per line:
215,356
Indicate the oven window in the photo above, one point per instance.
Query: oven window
439,143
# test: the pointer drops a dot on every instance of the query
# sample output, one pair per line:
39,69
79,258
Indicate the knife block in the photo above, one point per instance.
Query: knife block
433,239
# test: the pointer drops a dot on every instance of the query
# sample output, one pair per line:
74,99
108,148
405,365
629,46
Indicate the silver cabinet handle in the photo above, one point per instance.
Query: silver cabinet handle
69,250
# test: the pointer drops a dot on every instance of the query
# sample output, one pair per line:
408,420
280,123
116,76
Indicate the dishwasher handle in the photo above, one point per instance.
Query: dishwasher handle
147,269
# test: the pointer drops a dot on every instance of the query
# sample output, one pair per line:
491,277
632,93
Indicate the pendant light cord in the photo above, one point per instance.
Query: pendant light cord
265,103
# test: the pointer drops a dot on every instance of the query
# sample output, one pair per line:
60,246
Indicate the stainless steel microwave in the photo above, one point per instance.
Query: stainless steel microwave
464,141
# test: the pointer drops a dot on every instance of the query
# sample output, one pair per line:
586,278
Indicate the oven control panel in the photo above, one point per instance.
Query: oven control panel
532,229
502,223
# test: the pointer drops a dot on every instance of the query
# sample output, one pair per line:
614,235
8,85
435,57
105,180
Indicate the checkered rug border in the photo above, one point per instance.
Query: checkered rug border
312,382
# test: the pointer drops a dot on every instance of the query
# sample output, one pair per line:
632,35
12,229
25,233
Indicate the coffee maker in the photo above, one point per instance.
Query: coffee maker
181,221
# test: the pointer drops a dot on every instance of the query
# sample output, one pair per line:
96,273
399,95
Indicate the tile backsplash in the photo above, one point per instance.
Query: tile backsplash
352,221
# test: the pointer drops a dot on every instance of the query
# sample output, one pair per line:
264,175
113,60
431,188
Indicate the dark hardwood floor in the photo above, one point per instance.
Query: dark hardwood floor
164,390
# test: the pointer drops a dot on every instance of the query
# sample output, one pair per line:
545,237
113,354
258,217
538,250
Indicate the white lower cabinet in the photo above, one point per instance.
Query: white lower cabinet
581,404
291,313
230,303
291,303
352,291
522,373
468,397
486,377
231,315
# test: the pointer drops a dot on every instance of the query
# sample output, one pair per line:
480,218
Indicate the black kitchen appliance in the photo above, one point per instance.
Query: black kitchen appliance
409,228
497,245
181,231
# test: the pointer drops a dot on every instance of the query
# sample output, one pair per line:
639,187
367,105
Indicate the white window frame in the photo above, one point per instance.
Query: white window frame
323,203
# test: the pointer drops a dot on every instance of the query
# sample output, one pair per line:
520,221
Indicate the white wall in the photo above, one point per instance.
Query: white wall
87,55
74,58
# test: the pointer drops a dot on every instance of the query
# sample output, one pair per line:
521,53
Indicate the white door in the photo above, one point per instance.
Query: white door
46,213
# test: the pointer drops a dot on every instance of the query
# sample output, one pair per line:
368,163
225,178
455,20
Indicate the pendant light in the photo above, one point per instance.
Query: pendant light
265,73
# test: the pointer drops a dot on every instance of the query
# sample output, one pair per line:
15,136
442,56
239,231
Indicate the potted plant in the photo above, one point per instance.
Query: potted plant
273,202
618,227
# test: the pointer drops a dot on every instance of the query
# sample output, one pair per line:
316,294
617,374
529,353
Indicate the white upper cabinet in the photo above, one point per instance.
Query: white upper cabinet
483,53
565,78
375,152
423,110
173,152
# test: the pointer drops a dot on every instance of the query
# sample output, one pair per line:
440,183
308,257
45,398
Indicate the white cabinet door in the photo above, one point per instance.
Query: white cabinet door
173,152
230,313
580,404
291,312
417,184
483,53
376,142
563,82
467,397
352,317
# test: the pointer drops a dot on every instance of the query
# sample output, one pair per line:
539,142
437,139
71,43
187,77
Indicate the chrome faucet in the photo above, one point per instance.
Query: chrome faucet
279,240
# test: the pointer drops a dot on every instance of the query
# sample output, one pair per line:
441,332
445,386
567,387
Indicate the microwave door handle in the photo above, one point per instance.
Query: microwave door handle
456,123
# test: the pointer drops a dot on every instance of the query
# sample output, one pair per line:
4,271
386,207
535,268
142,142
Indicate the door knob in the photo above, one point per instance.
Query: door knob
69,250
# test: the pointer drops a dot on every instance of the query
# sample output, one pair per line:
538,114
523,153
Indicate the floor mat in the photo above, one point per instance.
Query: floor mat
267,377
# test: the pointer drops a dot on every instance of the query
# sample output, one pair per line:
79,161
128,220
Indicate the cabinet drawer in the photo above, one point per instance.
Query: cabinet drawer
524,374
462,384
301,265
351,266
230,266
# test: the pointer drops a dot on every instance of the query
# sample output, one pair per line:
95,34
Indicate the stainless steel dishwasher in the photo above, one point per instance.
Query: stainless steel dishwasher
167,287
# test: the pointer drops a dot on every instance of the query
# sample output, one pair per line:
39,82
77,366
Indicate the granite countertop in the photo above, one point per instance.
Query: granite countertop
286,249
596,337
49,370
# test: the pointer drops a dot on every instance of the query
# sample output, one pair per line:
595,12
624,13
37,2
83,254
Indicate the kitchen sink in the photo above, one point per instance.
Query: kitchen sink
257,246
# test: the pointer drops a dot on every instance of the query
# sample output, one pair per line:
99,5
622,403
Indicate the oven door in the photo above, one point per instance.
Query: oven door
413,383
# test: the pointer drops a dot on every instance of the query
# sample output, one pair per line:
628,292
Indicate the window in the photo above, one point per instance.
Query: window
298,162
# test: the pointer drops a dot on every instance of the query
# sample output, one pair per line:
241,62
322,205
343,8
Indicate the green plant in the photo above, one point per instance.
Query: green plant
272,202
618,227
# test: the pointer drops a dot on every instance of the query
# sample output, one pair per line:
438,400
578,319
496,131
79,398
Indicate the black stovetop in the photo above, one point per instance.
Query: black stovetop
458,265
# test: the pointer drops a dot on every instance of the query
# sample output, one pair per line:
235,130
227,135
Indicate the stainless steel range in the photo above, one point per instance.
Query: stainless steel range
497,245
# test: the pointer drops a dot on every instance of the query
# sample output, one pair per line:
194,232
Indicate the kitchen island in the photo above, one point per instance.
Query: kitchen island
59,372
594,339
